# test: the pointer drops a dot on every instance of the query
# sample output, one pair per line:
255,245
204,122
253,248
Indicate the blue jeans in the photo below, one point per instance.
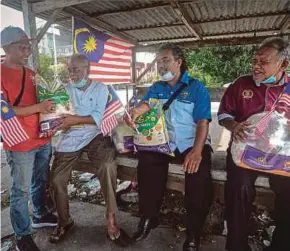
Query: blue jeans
30,173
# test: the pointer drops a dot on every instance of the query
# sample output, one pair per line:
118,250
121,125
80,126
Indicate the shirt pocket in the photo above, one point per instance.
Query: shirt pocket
87,106
183,111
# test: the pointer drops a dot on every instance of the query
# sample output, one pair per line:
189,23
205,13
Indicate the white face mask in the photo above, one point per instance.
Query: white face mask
168,76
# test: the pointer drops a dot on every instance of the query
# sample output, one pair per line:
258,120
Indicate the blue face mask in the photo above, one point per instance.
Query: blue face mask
80,84
271,80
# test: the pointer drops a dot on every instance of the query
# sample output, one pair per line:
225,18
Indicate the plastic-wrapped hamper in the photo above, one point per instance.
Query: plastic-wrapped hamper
59,95
267,148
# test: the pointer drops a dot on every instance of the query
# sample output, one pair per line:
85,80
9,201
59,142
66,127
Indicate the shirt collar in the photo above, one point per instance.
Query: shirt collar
184,79
283,80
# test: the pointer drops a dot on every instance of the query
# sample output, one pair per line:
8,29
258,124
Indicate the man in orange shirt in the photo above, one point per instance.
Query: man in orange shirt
28,160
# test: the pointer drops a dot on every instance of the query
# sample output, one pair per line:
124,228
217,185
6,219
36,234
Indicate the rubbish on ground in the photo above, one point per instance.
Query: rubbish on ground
123,186
131,197
85,177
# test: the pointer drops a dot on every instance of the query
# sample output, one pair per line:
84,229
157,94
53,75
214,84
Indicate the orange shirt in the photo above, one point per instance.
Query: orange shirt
11,82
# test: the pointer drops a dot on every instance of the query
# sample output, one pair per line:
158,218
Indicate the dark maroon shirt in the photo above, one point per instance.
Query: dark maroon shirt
244,98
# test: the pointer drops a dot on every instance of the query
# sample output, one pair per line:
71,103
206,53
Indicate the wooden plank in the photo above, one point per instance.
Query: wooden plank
48,23
134,76
101,25
146,70
30,29
55,4
127,171
181,11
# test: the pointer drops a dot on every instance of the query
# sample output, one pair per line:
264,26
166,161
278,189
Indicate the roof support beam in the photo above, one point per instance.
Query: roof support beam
234,18
136,8
255,32
99,24
269,14
219,35
48,23
181,11
30,29
207,43
285,24
178,24
55,4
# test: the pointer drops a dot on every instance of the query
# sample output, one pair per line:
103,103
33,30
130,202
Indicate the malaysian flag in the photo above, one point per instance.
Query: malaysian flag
110,56
11,130
282,105
113,106
262,124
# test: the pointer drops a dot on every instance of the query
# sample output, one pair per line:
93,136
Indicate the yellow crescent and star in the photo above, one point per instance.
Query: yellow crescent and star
4,106
110,98
90,45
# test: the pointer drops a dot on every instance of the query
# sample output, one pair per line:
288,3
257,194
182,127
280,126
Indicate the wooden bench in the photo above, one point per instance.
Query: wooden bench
127,164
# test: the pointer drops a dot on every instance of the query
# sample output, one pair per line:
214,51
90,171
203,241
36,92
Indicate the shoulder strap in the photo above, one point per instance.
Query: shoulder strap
18,99
173,96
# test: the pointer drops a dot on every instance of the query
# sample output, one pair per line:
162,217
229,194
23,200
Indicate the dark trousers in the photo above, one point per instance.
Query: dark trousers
239,197
152,178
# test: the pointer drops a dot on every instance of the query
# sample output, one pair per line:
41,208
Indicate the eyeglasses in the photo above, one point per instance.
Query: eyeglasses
164,61
75,69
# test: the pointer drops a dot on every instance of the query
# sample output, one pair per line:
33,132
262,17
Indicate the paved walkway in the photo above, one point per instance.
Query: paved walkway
89,233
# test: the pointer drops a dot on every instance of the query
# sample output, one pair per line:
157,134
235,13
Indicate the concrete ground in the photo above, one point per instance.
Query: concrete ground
89,233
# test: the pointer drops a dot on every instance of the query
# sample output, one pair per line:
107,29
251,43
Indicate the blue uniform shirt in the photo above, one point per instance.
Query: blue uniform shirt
190,106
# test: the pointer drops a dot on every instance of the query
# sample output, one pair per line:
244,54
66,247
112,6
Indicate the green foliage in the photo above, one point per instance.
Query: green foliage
48,70
216,66
206,78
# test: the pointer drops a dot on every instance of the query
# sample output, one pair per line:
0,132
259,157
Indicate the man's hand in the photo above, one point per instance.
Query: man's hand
192,161
239,131
67,121
49,134
46,106
131,120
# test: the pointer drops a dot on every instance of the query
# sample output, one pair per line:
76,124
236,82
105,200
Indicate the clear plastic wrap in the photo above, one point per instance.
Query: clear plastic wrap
267,147
123,138
59,95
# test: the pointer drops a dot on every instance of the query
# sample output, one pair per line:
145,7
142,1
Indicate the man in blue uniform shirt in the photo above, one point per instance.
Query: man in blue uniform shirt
187,119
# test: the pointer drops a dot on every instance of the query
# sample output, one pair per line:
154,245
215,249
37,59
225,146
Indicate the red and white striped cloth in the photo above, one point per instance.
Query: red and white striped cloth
110,121
114,66
262,124
12,131
285,99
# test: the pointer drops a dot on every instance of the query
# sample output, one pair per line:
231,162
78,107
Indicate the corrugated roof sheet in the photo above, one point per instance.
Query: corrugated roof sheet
213,18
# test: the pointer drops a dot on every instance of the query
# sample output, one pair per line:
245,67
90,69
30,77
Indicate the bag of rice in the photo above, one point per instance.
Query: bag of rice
152,132
59,95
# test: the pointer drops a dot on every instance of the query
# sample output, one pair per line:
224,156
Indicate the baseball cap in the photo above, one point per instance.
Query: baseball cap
11,34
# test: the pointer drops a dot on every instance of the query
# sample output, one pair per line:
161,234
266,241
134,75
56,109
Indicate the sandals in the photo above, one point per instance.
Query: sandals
60,232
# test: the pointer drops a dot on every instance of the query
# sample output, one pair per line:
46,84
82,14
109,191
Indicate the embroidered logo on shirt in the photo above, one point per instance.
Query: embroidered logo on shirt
248,94
184,94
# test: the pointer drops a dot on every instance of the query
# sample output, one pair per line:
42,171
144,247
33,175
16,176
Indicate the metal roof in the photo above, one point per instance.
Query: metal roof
148,22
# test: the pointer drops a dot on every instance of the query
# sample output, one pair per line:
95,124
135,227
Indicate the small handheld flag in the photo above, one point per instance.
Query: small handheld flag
11,129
